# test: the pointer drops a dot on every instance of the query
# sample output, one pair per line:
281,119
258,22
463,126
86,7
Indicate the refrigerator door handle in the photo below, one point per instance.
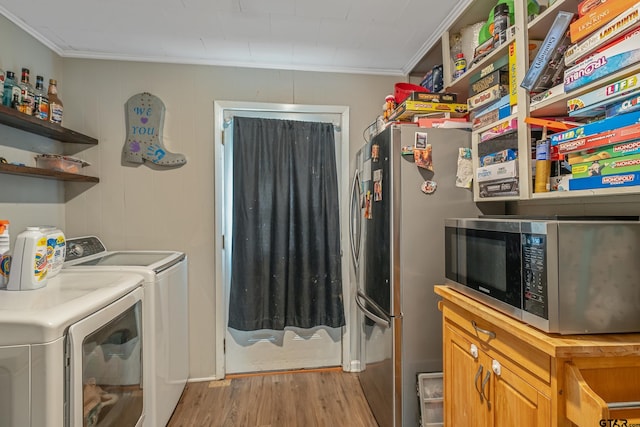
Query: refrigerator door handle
355,216
377,319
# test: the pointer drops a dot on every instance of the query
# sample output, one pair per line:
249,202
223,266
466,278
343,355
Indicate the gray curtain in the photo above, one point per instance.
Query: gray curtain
286,237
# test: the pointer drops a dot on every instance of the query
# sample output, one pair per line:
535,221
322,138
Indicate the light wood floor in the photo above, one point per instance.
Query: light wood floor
322,398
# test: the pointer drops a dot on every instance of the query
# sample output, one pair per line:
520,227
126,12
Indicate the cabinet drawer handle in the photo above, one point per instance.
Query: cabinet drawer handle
475,382
491,334
484,384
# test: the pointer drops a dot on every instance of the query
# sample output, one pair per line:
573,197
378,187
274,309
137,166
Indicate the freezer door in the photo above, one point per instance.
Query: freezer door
376,269
378,377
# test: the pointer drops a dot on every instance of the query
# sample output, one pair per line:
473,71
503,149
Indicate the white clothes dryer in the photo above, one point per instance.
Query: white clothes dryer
47,340
165,322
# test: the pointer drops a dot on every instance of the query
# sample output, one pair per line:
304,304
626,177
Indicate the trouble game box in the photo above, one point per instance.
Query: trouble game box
618,56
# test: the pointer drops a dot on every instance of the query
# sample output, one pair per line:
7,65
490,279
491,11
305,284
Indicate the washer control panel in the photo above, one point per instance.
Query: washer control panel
81,247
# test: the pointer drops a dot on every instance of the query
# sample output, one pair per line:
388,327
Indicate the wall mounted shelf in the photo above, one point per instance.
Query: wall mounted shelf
16,119
46,173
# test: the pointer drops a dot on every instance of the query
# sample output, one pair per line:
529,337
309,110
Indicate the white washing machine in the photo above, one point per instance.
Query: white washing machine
49,375
165,322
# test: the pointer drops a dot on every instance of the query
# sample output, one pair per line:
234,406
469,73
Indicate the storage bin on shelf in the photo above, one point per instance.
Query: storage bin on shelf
60,163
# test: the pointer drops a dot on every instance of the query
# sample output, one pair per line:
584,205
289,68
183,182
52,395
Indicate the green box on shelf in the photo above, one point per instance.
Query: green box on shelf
612,166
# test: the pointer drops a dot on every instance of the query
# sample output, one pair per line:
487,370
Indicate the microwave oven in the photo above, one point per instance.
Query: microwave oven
574,276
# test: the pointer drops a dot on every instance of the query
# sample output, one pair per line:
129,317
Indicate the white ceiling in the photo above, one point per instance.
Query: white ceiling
354,36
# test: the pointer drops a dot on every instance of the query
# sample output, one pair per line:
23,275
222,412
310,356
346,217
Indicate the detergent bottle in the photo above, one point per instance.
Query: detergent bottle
5,256
29,264
56,249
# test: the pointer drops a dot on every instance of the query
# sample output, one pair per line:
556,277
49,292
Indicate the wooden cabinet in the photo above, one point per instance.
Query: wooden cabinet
486,388
524,30
13,118
485,391
500,372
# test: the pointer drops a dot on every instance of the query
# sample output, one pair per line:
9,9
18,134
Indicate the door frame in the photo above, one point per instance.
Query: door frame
350,330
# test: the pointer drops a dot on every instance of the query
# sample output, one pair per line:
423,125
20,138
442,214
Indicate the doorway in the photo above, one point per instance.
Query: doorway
293,348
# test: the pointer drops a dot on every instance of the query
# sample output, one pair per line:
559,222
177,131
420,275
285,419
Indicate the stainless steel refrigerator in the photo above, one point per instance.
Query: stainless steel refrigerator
397,245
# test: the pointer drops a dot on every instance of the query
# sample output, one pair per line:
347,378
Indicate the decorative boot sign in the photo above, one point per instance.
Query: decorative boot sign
145,120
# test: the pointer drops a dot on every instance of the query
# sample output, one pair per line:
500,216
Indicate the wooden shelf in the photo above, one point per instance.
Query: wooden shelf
461,84
539,26
18,120
46,173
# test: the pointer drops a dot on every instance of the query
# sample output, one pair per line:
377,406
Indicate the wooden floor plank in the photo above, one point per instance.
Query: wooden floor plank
322,398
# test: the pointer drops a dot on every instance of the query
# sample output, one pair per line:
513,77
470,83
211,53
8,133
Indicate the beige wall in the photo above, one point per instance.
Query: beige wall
141,207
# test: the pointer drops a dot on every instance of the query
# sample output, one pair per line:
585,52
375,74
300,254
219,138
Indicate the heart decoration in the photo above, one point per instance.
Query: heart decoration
144,120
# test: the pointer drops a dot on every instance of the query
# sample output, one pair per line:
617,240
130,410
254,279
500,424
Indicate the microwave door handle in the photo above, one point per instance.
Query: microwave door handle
355,214
378,320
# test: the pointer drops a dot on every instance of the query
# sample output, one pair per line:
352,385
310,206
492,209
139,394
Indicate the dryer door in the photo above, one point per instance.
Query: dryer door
105,366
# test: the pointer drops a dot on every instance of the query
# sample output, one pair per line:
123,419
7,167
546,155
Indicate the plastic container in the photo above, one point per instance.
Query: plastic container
459,66
543,167
5,256
500,24
431,394
403,90
29,264
56,249
60,163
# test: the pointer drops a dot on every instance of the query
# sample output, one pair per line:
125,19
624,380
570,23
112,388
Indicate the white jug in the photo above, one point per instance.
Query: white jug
29,263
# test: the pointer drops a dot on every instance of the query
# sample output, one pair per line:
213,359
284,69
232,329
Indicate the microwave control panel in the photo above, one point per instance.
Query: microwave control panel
534,275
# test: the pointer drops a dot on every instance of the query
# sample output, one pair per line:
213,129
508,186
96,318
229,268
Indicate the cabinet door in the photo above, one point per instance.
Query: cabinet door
515,402
463,375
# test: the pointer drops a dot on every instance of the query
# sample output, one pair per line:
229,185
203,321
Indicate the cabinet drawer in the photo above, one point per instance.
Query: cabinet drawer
491,337
595,393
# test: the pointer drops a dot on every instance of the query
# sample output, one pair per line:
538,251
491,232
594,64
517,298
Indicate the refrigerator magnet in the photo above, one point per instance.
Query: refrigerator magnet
407,150
428,187
377,185
421,140
367,206
375,152
423,157
464,172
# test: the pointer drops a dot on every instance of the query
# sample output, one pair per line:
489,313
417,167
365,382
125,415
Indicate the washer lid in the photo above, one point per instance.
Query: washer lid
129,258
42,315
147,263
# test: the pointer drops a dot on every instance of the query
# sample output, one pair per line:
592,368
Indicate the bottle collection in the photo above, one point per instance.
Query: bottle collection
22,96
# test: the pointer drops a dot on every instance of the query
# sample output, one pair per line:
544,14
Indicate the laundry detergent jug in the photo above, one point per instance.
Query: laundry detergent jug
56,249
5,253
29,263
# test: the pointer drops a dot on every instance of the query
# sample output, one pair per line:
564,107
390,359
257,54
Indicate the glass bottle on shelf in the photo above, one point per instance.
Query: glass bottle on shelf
27,93
15,102
10,87
55,104
2,80
41,106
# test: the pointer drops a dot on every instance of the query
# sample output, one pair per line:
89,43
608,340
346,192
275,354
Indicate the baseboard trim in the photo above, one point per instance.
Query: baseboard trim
296,371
